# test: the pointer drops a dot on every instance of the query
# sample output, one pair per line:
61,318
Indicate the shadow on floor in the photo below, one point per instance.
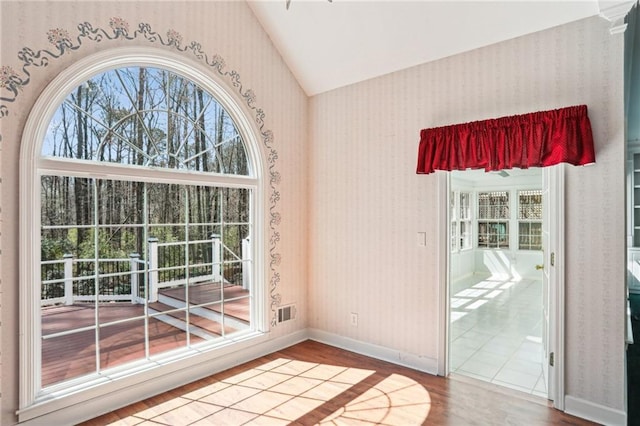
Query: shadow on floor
633,364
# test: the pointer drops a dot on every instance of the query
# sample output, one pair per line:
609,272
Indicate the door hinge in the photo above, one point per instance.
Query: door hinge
553,259
551,359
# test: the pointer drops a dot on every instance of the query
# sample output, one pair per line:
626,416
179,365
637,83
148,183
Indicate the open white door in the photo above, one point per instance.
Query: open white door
547,349
552,281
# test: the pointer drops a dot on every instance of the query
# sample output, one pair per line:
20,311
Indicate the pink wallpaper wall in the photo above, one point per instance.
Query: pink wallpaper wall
367,205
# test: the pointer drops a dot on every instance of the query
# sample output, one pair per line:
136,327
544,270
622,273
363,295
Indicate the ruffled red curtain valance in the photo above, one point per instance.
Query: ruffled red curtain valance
537,139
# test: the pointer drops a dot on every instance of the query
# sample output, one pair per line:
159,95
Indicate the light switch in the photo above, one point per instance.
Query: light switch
422,239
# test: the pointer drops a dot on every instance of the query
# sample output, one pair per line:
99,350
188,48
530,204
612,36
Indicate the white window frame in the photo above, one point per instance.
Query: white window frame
169,371
490,220
456,221
453,221
468,221
529,221
513,220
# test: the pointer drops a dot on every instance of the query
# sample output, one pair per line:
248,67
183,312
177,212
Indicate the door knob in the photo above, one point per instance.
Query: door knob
539,267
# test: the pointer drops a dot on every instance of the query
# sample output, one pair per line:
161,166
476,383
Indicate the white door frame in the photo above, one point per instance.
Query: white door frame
557,218
444,258
555,177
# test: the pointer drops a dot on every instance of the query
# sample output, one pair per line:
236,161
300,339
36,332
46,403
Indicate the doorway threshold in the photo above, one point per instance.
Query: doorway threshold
501,389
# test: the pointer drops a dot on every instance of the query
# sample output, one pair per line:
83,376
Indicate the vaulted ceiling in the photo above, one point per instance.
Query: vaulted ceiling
333,44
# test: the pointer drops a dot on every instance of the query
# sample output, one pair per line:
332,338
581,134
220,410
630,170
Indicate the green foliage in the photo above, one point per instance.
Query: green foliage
142,116
55,248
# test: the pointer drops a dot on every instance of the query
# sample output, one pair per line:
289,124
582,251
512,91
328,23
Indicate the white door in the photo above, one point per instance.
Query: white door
552,239
546,278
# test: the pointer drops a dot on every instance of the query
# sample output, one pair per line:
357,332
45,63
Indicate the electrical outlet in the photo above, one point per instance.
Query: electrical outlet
354,319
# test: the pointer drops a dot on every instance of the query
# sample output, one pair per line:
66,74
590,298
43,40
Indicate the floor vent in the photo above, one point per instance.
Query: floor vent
286,313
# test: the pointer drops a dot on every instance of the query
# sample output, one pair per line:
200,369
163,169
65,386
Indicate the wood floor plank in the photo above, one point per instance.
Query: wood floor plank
347,388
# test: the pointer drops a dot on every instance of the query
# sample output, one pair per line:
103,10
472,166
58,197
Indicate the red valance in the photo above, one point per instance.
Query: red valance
538,139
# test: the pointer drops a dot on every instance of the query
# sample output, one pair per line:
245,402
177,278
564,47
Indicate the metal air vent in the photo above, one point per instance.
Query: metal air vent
286,313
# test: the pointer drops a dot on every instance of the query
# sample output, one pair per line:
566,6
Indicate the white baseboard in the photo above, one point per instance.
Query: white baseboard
424,364
595,412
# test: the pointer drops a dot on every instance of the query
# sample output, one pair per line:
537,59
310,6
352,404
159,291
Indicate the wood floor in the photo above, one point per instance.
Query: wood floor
312,383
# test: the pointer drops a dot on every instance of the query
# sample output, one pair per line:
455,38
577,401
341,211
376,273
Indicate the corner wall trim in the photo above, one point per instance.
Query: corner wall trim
424,364
595,412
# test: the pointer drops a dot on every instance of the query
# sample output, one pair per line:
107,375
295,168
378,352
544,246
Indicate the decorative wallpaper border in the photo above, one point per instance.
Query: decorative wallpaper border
12,82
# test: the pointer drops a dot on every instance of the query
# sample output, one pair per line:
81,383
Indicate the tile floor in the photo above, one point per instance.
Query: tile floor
496,332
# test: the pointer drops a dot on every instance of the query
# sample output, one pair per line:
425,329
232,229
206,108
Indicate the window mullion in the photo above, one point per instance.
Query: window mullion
90,169
453,233
514,235
96,271
459,221
252,274
187,262
145,244
222,264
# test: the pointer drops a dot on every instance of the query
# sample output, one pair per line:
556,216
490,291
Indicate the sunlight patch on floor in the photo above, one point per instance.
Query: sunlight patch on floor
397,400
456,315
283,391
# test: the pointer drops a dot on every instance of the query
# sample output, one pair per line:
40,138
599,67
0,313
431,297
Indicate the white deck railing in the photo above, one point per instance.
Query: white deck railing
130,273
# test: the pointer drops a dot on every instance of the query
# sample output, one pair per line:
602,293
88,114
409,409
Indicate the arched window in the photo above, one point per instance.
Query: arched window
141,189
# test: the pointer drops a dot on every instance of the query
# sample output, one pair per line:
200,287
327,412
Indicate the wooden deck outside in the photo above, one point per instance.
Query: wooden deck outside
74,355
207,293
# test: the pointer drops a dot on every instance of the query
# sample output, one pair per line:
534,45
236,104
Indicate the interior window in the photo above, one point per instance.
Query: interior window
493,219
530,220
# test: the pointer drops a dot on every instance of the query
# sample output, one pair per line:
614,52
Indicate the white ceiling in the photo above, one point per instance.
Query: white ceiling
511,177
330,45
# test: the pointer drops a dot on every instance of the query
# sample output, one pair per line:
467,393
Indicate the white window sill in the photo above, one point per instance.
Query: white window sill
160,374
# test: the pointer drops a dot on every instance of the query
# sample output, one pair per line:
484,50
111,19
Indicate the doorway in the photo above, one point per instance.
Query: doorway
499,303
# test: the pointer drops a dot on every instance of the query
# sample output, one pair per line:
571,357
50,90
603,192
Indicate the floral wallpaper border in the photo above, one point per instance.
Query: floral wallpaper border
12,82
